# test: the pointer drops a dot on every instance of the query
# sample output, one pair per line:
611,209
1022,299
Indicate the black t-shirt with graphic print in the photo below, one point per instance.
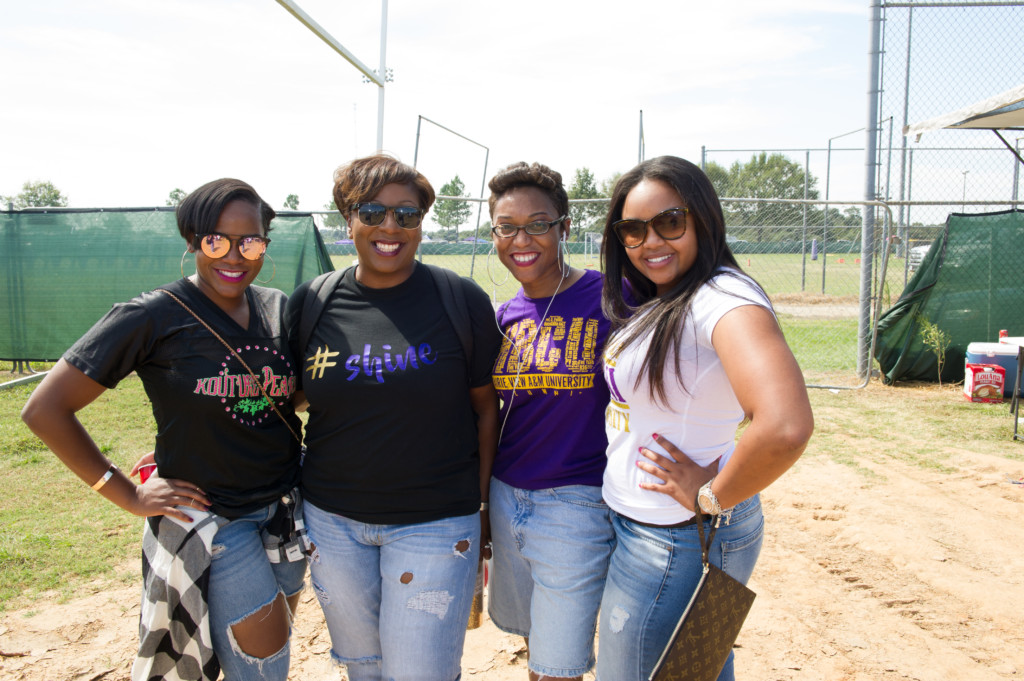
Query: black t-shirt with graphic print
214,427
391,437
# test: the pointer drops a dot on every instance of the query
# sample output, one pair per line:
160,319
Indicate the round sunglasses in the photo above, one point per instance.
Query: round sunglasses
668,224
217,245
373,214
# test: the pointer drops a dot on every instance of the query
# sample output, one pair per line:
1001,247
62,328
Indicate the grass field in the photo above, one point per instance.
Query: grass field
53,536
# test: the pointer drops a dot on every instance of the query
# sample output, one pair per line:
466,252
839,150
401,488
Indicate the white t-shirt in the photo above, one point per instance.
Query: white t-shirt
700,420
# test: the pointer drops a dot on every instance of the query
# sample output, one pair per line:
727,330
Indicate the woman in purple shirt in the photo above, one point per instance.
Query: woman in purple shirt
551,531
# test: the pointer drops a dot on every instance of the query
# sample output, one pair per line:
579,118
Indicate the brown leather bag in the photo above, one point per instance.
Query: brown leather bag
701,643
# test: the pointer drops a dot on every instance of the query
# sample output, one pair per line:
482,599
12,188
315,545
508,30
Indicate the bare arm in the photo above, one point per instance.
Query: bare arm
51,414
770,389
485,403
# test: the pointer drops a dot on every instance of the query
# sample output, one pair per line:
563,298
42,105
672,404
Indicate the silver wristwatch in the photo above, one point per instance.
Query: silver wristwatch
707,500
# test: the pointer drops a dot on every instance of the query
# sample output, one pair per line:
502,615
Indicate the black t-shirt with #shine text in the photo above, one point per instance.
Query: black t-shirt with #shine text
391,437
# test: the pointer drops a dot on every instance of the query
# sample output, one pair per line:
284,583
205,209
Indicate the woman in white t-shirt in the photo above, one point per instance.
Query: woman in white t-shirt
698,352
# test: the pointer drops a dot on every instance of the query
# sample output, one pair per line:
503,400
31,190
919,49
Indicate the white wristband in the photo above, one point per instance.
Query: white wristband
484,506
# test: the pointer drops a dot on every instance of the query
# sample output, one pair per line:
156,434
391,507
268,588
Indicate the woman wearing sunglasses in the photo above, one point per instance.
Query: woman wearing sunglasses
698,353
226,456
401,437
551,531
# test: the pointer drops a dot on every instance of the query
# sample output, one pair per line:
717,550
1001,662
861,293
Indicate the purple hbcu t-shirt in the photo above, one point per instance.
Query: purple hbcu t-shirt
553,425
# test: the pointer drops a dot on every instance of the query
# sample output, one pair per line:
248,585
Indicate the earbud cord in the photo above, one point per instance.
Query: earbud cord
519,351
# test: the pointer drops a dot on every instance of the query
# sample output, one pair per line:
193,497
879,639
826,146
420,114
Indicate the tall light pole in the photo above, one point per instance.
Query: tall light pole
378,77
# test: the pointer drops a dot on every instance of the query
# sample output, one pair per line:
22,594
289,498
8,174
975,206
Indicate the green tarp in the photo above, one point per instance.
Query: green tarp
971,285
63,269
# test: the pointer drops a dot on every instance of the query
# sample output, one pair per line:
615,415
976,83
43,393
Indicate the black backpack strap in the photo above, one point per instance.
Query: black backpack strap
453,297
319,291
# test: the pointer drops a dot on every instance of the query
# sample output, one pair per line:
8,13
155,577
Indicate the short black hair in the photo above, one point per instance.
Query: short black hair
199,212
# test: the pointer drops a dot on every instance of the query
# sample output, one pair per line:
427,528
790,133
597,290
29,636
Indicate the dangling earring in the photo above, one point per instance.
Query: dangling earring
183,263
487,266
272,274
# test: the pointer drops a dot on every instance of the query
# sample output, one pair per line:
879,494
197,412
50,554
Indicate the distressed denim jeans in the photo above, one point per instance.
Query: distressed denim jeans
651,578
242,581
396,597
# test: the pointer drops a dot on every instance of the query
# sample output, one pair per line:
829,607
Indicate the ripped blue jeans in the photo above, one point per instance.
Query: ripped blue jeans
396,597
242,581
651,578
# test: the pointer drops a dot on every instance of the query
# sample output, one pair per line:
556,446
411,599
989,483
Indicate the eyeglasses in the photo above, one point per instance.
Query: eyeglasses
373,214
217,245
668,224
506,231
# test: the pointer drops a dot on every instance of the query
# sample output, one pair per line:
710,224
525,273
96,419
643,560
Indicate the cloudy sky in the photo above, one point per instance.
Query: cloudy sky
118,102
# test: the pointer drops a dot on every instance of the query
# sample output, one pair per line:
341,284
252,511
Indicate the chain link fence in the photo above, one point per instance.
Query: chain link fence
938,57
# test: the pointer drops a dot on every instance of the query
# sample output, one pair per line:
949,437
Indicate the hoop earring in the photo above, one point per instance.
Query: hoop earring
487,266
183,263
272,274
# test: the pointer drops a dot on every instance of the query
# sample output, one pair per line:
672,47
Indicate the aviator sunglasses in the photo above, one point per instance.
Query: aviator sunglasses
216,245
373,214
668,224
507,231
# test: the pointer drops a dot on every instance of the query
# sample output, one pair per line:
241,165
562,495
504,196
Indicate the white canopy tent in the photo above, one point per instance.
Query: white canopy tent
1004,111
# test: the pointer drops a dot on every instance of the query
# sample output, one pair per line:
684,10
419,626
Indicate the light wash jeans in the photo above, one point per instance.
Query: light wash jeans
396,597
243,580
551,550
652,575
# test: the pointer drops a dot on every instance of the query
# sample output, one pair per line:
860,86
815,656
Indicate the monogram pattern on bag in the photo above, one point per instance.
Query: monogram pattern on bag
707,630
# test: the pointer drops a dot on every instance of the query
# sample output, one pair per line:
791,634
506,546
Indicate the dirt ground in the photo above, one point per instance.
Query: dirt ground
869,571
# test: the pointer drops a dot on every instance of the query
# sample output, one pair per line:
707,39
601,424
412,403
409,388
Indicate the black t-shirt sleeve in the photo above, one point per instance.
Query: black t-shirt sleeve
116,345
486,337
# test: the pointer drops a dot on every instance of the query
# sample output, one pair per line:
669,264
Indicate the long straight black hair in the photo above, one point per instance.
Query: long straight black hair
662,317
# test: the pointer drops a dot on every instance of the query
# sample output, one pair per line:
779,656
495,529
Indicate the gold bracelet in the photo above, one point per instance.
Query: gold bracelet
484,506
106,477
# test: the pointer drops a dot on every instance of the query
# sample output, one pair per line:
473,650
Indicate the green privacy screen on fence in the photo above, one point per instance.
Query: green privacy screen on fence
971,285
63,269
